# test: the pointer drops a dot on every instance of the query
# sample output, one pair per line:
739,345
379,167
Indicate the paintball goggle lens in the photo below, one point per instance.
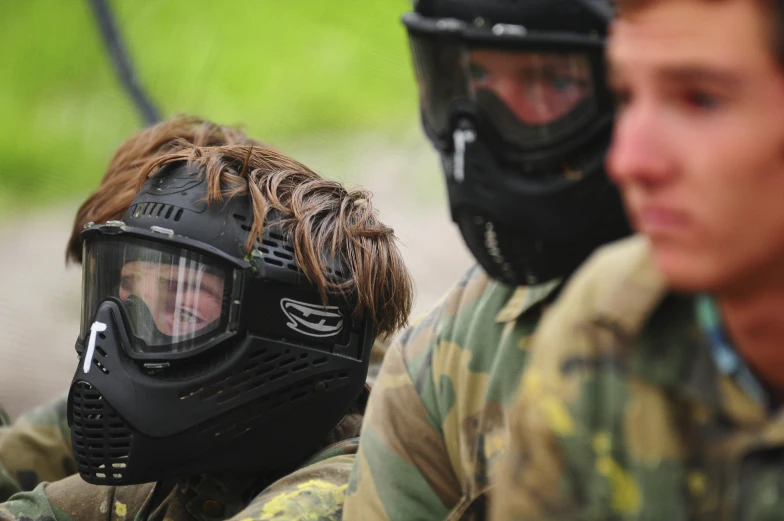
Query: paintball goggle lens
533,98
173,300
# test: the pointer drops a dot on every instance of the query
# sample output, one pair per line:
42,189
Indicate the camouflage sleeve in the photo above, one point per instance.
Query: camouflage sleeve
72,499
32,506
403,470
37,447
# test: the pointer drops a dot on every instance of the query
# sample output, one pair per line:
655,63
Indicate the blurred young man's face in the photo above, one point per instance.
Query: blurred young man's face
698,149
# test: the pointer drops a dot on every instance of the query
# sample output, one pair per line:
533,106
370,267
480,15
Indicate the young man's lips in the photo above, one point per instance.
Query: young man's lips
654,219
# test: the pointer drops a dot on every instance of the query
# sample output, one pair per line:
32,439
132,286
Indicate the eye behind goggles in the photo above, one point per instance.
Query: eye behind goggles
534,91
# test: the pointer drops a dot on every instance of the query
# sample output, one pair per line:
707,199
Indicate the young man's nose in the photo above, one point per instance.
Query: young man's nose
638,152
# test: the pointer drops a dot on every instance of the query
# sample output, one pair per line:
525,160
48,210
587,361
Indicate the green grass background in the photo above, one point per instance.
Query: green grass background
291,71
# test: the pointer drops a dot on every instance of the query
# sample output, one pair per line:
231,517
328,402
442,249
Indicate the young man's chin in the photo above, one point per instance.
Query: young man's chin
687,271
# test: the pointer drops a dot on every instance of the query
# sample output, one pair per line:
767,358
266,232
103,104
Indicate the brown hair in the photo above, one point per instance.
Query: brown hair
773,8
119,184
325,220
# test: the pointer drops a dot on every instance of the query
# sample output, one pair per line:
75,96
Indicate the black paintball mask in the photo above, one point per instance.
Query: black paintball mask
513,98
197,357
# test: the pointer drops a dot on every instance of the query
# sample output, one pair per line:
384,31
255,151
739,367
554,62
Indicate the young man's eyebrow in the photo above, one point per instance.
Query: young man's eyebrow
699,74
681,74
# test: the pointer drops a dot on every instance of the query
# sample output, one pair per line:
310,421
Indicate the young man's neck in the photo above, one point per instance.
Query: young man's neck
755,324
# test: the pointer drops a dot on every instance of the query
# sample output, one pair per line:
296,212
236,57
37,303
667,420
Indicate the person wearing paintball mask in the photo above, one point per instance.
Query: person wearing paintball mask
514,100
37,446
225,340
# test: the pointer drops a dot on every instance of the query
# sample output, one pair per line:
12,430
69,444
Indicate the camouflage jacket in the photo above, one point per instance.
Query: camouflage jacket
436,417
624,413
36,448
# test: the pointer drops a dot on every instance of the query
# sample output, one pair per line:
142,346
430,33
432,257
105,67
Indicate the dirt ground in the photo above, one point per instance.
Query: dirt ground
39,297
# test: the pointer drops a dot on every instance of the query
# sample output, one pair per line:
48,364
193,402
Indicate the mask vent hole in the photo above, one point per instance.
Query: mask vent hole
256,385
250,367
225,397
275,245
209,394
188,392
258,353
101,439
265,370
266,366
238,423
336,273
234,382
270,358
179,215
100,351
278,376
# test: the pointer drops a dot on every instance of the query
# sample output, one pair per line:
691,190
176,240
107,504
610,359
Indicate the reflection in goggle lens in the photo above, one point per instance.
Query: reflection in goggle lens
180,299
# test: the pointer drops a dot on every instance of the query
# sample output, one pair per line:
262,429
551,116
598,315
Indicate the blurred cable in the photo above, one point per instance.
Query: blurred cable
122,62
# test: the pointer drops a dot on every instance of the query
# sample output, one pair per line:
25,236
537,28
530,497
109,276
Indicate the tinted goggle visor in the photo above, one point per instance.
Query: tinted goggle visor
173,300
532,98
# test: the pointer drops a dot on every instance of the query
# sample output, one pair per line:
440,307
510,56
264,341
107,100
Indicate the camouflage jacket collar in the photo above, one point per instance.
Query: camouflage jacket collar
664,345
523,298
626,306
